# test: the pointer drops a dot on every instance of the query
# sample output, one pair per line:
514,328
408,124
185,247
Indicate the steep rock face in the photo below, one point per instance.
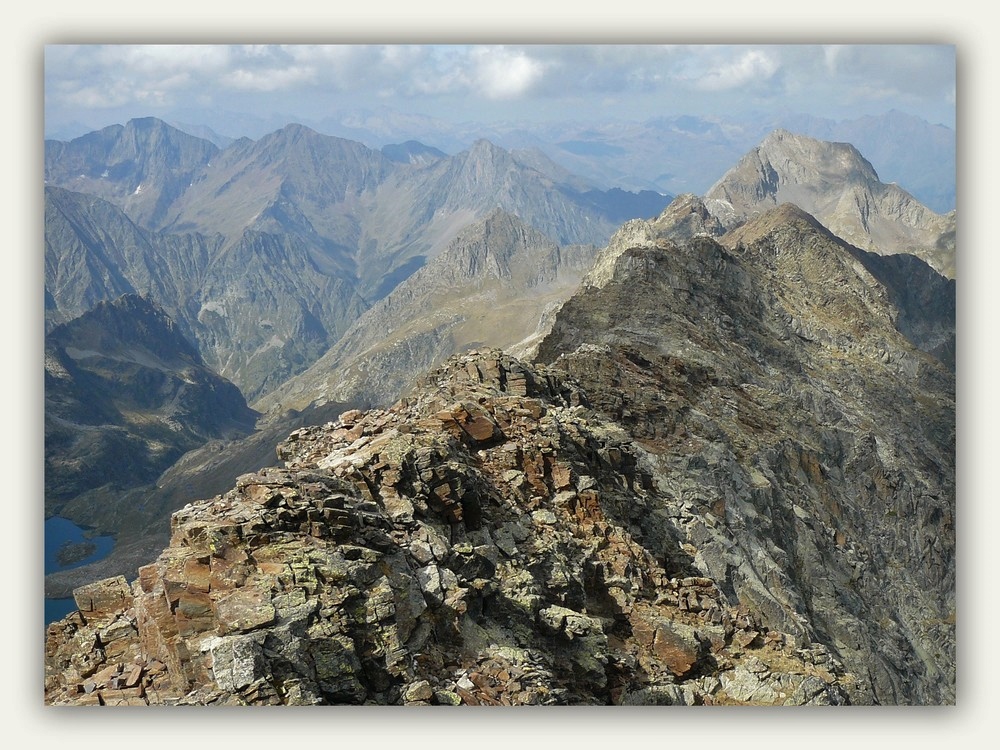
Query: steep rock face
95,253
265,311
125,396
926,302
834,183
770,389
488,541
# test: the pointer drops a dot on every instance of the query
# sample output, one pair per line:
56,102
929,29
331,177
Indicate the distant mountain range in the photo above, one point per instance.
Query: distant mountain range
305,230
669,154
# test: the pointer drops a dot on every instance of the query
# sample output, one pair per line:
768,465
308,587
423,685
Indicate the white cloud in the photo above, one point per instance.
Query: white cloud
268,79
749,67
504,74
461,80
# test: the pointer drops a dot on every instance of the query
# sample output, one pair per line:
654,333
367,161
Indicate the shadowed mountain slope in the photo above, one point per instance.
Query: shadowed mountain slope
259,309
125,396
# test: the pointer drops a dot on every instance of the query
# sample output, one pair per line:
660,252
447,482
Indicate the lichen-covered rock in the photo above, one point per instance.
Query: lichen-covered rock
514,579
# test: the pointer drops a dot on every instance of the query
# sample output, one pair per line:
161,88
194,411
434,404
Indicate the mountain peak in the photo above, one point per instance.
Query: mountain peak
483,147
839,187
147,123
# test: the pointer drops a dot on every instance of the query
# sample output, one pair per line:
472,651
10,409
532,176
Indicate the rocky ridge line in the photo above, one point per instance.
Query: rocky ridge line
478,543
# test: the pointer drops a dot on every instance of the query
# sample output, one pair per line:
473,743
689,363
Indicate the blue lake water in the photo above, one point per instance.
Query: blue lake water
59,531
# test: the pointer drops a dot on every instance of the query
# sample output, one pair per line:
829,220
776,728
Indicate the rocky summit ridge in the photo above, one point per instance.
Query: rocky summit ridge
727,478
475,544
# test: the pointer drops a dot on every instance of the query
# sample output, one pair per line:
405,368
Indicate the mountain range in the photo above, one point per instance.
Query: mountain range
754,387
343,225
667,154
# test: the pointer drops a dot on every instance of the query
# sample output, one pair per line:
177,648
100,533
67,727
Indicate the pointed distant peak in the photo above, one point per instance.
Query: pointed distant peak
296,128
779,134
484,146
144,127
147,123
146,134
484,143
293,130
484,155
296,136
291,133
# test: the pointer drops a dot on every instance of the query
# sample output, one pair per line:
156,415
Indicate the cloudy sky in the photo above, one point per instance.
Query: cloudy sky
94,85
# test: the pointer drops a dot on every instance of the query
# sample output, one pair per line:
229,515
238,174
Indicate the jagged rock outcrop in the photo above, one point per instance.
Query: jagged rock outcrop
489,540
837,185
772,388
685,217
